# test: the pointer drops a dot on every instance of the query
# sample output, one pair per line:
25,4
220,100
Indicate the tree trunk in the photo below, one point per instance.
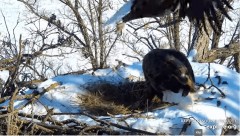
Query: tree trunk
175,32
101,37
200,41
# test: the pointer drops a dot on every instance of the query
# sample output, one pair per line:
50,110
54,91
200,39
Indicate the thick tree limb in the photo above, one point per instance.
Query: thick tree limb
218,53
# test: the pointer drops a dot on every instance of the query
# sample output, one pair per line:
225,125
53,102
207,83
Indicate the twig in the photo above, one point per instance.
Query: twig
222,93
36,126
154,43
18,97
6,25
212,84
78,123
185,126
40,118
120,63
108,123
14,75
49,113
12,99
132,57
97,128
159,24
47,127
36,97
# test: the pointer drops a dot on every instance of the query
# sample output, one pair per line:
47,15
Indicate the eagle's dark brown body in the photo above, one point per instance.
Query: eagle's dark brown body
166,69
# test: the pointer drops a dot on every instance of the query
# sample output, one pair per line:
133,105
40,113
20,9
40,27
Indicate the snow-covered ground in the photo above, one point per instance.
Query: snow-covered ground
208,115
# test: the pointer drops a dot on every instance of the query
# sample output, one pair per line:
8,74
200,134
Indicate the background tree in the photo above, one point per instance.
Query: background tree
81,22
55,36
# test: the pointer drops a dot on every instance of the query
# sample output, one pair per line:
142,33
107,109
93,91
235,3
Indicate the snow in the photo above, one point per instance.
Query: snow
205,114
124,10
192,54
4,75
183,102
153,125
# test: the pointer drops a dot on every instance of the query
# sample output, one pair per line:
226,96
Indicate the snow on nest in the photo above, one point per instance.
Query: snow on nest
204,114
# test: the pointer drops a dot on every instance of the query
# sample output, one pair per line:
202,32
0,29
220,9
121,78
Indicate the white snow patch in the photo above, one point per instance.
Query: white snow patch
124,10
4,74
153,125
192,54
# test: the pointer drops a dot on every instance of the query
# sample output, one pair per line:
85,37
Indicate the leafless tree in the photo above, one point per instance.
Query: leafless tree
10,58
21,57
81,22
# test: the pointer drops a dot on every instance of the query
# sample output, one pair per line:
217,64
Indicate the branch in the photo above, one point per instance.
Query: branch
212,84
160,25
109,123
218,53
31,8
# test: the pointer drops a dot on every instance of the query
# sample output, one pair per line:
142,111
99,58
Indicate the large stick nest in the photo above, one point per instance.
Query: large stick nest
107,98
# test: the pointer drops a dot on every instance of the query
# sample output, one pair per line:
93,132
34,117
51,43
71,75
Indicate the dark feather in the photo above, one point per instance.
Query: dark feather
197,9
194,9
150,8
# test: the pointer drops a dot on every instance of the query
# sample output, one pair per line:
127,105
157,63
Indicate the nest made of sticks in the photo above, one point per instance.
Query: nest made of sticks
107,98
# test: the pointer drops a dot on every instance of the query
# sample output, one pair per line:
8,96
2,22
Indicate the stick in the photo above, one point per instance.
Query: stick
109,123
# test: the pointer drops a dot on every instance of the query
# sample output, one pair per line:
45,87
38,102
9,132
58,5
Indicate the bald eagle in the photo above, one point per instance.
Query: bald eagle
193,9
167,69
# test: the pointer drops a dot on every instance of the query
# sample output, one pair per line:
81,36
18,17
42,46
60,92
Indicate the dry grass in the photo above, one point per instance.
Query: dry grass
106,98
98,106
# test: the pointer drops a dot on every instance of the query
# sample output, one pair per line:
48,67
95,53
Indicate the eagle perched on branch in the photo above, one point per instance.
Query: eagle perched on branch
195,10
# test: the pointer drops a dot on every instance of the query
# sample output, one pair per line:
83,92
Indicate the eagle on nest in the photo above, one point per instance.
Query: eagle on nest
167,69
195,10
